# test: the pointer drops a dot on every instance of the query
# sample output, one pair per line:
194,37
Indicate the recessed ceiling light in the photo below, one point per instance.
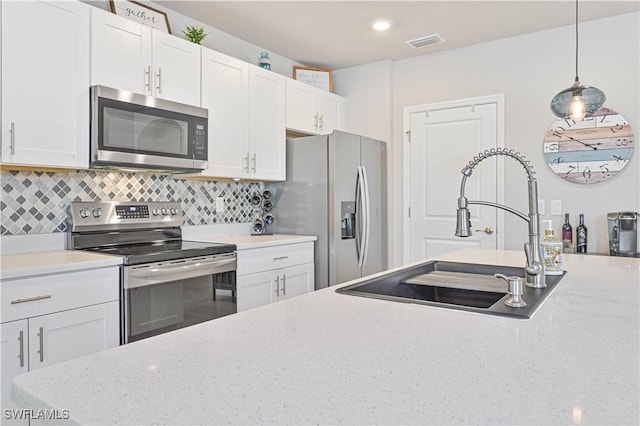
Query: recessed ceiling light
381,24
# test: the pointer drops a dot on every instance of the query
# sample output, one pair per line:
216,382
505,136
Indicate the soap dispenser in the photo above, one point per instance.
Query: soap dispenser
551,251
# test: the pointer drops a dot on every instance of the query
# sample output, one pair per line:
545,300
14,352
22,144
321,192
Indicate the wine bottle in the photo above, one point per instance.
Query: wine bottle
581,236
567,235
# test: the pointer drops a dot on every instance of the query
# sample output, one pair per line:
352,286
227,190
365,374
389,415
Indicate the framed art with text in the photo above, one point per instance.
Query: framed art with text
141,13
322,78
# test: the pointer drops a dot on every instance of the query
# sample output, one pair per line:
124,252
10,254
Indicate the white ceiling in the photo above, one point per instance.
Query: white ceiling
337,34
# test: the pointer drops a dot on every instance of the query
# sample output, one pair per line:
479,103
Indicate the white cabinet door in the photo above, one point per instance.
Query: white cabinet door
176,67
120,53
14,353
70,334
293,281
267,135
224,94
300,107
330,111
312,110
130,56
45,83
254,290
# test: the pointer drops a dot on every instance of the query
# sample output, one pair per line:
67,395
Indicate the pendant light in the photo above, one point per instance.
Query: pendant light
577,101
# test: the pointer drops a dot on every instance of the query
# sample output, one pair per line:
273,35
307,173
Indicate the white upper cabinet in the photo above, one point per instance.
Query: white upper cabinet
246,107
225,86
267,133
312,110
130,56
45,83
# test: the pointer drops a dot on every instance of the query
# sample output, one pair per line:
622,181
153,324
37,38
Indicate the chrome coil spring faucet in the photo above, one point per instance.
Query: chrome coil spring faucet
534,269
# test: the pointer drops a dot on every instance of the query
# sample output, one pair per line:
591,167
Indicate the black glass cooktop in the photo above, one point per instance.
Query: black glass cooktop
135,254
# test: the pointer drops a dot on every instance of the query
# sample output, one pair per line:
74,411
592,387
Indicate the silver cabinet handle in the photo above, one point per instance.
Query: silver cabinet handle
277,291
280,257
315,121
488,230
159,86
148,74
321,122
30,299
21,340
13,138
284,284
246,161
41,335
255,162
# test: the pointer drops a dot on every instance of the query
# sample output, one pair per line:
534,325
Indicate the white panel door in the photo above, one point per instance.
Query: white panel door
331,111
120,53
14,353
294,281
254,290
45,83
225,94
442,142
300,108
267,133
176,67
70,334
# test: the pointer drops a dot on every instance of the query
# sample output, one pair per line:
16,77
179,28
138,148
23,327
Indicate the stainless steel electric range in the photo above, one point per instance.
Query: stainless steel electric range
166,283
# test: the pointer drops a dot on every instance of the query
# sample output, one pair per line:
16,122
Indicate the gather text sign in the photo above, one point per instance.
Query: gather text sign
140,13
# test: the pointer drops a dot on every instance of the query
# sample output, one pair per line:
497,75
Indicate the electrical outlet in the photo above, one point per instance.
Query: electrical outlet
219,205
556,207
541,206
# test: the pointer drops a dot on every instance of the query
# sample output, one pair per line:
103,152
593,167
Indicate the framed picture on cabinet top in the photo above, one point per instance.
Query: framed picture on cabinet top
141,13
322,78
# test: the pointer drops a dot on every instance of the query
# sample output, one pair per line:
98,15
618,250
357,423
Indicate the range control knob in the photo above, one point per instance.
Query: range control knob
156,211
84,213
174,210
164,210
97,212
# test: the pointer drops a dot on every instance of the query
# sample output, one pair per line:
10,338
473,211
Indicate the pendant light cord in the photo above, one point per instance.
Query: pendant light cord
577,79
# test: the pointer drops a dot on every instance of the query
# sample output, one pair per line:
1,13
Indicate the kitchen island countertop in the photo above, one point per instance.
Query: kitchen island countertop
328,358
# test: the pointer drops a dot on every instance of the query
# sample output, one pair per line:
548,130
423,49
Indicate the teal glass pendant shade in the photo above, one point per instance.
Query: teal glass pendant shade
577,101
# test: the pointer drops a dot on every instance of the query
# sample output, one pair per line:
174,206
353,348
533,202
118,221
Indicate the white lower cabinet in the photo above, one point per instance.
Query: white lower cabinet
267,275
54,318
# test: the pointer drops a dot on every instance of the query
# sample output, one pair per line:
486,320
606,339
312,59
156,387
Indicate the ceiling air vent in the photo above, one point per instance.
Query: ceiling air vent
425,41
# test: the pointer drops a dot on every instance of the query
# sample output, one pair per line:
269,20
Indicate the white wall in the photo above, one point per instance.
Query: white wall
529,70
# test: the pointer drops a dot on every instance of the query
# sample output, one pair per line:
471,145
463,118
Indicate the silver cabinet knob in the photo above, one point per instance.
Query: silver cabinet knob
488,230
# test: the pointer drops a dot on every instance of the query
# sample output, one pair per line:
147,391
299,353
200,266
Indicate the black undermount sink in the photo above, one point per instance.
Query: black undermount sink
463,286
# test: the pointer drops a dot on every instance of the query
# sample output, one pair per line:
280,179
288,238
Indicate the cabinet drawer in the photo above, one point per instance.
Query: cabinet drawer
276,257
29,297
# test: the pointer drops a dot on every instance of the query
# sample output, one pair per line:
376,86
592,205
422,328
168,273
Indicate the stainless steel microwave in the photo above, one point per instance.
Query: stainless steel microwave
134,131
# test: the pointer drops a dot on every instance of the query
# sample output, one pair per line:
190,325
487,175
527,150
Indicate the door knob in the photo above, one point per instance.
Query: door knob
488,230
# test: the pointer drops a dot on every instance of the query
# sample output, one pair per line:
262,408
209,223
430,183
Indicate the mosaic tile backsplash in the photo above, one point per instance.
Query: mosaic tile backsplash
36,202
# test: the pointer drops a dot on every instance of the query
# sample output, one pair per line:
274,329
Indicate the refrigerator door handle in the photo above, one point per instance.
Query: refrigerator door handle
360,217
367,216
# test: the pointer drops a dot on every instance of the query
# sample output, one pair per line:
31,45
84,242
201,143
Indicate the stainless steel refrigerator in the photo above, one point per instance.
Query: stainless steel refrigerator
336,189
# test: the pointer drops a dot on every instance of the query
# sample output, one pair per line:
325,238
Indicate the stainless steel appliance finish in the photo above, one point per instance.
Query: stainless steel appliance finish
166,283
336,190
130,130
623,233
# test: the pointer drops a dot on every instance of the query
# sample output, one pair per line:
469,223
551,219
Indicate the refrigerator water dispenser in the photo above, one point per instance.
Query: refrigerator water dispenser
348,219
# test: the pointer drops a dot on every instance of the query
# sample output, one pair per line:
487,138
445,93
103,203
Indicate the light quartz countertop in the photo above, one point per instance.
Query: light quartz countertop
328,358
244,242
51,262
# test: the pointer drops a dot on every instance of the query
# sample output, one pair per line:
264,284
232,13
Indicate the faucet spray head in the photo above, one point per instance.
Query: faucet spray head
463,222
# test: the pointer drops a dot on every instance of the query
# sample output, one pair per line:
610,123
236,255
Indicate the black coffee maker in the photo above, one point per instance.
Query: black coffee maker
623,233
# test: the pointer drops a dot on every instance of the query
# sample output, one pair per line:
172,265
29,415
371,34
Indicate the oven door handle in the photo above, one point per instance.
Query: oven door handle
161,272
